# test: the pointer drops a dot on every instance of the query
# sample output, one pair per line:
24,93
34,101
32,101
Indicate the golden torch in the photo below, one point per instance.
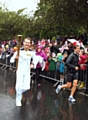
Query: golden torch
18,48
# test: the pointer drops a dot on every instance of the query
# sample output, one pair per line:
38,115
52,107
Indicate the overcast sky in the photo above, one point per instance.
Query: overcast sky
15,5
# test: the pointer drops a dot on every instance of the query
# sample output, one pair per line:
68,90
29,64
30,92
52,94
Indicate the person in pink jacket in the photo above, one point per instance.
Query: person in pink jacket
82,63
39,52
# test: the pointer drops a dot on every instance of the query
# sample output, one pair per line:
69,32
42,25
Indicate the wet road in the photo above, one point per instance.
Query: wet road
42,104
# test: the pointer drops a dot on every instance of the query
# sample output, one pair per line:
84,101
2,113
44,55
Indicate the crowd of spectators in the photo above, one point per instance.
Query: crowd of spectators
54,55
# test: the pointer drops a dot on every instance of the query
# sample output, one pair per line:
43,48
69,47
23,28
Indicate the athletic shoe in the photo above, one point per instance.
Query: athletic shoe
58,89
71,99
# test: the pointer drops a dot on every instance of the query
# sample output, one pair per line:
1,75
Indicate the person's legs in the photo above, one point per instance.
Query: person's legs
37,76
75,82
71,98
18,87
67,85
57,74
25,87
82,76
24,97
61,78
71,77
52,73
18,97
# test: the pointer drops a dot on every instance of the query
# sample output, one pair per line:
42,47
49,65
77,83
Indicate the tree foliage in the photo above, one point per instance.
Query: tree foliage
63,17
52,17
12,23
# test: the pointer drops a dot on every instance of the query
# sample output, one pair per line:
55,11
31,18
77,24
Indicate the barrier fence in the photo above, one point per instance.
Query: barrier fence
50,75
5,62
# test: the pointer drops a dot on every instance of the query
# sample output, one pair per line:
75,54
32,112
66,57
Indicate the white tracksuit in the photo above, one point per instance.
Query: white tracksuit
23,72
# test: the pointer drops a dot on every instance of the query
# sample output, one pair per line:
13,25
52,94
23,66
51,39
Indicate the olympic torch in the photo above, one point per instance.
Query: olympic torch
18,49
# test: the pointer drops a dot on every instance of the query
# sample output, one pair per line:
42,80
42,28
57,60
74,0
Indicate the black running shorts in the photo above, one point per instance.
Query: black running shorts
71,77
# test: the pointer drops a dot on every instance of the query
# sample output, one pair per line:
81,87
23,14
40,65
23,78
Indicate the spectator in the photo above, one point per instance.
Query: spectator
39,52
82,71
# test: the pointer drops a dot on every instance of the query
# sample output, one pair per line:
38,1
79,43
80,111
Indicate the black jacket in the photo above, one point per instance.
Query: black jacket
72,62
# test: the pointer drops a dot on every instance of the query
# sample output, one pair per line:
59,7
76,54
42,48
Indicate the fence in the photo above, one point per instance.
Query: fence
5,62
51,75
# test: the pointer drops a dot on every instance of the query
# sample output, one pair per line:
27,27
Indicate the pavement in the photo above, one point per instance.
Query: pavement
42,102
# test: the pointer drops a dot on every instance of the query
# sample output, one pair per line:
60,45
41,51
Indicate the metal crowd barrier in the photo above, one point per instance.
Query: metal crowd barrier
5,64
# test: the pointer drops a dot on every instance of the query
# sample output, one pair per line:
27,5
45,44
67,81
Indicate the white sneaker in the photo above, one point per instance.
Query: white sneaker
18,104
58,89
71,99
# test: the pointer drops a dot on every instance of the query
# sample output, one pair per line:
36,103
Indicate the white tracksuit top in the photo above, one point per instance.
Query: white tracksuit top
23,71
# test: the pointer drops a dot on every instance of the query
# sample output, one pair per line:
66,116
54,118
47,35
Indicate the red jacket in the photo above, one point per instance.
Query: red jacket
82,62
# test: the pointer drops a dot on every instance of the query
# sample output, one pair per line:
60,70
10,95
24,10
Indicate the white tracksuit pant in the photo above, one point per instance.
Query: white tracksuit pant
23,73
22,84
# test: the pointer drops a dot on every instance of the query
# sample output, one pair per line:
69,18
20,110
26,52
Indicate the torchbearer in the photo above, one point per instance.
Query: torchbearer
24,57
18,48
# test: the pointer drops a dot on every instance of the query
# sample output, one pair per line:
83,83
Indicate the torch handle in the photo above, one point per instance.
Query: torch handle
18,49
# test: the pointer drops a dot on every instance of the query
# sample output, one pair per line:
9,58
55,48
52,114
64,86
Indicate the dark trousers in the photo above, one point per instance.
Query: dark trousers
37,76
57,74
82,75
52,73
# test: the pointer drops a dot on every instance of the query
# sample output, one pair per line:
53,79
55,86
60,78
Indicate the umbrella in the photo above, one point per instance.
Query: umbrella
72,40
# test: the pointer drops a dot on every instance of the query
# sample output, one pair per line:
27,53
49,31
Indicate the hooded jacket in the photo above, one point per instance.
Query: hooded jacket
42,54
